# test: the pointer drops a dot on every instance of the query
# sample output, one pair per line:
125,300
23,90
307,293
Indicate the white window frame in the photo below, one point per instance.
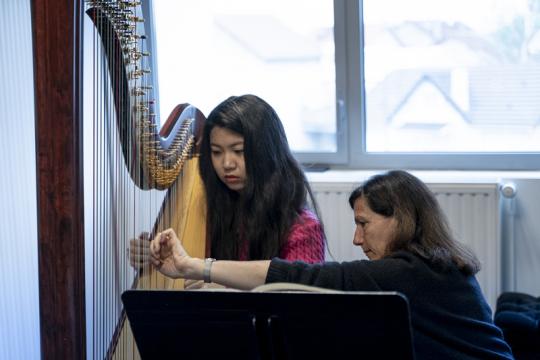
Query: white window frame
351,123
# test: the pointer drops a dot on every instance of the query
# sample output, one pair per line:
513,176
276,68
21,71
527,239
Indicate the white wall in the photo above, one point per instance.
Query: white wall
19,305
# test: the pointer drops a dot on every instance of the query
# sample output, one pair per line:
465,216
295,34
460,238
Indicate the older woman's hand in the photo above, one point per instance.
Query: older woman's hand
168,255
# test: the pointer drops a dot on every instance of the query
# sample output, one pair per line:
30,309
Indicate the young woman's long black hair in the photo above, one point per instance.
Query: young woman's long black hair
275,191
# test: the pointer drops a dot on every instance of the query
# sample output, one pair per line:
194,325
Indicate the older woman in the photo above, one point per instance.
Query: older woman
403,232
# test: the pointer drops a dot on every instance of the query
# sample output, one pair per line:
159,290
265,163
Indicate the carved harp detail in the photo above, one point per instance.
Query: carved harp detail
159,159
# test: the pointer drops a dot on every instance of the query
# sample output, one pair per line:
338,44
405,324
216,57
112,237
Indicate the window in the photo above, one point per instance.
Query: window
376,84
448,84
282,51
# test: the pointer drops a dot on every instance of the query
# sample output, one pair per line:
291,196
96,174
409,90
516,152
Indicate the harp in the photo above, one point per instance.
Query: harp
139,177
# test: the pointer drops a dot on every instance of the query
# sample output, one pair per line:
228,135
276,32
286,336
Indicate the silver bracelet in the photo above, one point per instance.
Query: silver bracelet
207,268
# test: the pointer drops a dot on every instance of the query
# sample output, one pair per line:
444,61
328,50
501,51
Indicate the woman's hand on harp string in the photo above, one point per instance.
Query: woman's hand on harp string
168,255
139,251
171,259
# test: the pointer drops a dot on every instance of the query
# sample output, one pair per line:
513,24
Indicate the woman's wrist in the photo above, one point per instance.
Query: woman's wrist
195,269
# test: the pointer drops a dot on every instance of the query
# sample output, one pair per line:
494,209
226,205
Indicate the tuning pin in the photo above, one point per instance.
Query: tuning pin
141,108
135,74
138,92
135,19
136,55
126,4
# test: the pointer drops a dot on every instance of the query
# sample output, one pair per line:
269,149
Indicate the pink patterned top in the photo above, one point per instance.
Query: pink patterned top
305,241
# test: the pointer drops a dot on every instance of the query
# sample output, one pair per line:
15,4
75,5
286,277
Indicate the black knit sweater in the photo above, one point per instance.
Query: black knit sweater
449,315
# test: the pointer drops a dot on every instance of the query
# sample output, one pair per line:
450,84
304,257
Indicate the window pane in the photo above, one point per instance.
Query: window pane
282,51
452,76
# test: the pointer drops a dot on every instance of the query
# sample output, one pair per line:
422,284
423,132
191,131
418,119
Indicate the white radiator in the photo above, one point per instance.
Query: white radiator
473,212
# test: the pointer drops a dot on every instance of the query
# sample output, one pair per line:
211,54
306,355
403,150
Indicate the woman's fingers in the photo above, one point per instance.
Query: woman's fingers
165,247
139,251
169,234
138,261
155,250
138,246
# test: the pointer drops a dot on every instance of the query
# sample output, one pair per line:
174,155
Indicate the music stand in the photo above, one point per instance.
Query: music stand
204,324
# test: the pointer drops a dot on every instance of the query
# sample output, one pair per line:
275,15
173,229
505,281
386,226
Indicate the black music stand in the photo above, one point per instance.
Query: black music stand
210,324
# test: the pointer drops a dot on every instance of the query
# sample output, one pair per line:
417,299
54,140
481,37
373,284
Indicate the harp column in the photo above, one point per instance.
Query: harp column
58,97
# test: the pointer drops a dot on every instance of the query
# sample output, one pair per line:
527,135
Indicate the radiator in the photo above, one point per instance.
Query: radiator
472,210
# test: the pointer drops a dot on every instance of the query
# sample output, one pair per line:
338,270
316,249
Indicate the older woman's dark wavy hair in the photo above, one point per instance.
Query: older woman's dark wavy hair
422,226
276,189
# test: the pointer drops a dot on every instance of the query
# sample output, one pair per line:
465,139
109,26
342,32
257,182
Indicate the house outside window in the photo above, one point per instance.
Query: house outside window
368,84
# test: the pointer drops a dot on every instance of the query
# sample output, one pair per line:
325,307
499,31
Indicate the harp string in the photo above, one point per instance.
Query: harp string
116,198
129,159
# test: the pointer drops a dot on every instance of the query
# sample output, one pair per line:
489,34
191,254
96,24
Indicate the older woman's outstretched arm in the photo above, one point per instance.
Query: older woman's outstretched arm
172,260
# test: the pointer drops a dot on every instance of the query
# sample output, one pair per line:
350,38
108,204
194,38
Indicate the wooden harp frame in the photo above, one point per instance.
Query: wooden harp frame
58,75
